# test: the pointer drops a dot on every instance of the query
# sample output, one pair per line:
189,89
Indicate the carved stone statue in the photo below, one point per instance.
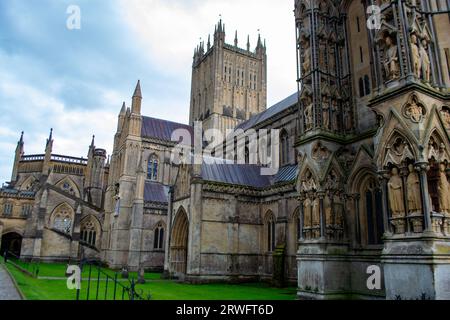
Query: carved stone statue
347,117
414,111
416,61
396,194
425,61
391,63
413,191
334,115
444,190
326,113
316,216
307,211
309,115
306,57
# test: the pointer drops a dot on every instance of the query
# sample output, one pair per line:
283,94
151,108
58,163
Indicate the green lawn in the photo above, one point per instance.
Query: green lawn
43,289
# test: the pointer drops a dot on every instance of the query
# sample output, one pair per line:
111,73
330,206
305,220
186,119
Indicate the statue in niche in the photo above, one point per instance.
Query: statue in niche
326,112
347,117
338,211
391,63
416,59
309,184
334,115
396,194
332,61
316,216
322,53
413,191
306,57
307,213
444,189
425,61
309,114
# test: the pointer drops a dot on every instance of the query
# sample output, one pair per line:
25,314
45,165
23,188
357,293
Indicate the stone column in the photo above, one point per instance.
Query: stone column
384,177
422,168
323,221
74,244
356,200
301,217
168,233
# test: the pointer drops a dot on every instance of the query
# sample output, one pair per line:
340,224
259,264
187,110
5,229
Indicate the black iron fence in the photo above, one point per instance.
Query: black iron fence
100,284
29,267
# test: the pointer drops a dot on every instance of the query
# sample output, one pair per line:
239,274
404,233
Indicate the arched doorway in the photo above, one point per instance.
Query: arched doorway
179,242
11,242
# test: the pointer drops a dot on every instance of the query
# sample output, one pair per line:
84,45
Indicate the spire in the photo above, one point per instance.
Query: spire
209,42
50,137
137,99
124,108
93,141
259,44
248,43
137,91
236,39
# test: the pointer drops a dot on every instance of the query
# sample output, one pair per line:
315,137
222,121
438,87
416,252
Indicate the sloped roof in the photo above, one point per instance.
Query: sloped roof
270,112
156,192
245,175
163,129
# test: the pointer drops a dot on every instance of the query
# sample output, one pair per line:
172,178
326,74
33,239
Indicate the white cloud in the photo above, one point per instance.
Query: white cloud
38,112
168,30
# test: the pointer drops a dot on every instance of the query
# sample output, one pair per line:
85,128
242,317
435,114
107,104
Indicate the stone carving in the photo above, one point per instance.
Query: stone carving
316,217
414,110
391,63
326,112
416,58
335,115
398,152
445,113
309,184
413,191
444,190
306,57
347,117
307,212
396,194
309,113
320,152
425,61
332,181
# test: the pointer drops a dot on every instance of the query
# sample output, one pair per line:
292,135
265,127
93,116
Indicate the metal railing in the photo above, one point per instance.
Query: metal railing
31,268
99,283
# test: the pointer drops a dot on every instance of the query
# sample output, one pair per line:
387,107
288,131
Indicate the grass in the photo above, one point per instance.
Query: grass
46,289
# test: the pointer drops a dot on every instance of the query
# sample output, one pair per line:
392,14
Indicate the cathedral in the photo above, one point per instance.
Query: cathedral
361,155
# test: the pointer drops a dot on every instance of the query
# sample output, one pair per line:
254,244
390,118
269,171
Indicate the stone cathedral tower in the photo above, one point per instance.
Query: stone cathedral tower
229,84
374,146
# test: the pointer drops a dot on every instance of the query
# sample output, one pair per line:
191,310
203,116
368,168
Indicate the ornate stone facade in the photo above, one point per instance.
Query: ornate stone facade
363,180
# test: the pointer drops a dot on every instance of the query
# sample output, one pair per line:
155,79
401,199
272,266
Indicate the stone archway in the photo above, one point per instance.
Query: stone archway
179,243
11,242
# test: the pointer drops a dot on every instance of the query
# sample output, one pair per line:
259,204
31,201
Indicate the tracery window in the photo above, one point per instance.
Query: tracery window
62,219
284,139
152,168
158,242
88,232
8,209
270,232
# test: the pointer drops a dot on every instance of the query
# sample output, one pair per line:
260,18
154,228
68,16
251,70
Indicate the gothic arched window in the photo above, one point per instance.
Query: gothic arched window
374,212
284,151
89,231
158,242
361,87
152,168
62,219
270,232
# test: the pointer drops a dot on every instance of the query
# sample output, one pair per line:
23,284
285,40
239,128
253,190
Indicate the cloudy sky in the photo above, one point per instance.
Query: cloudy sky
75,80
